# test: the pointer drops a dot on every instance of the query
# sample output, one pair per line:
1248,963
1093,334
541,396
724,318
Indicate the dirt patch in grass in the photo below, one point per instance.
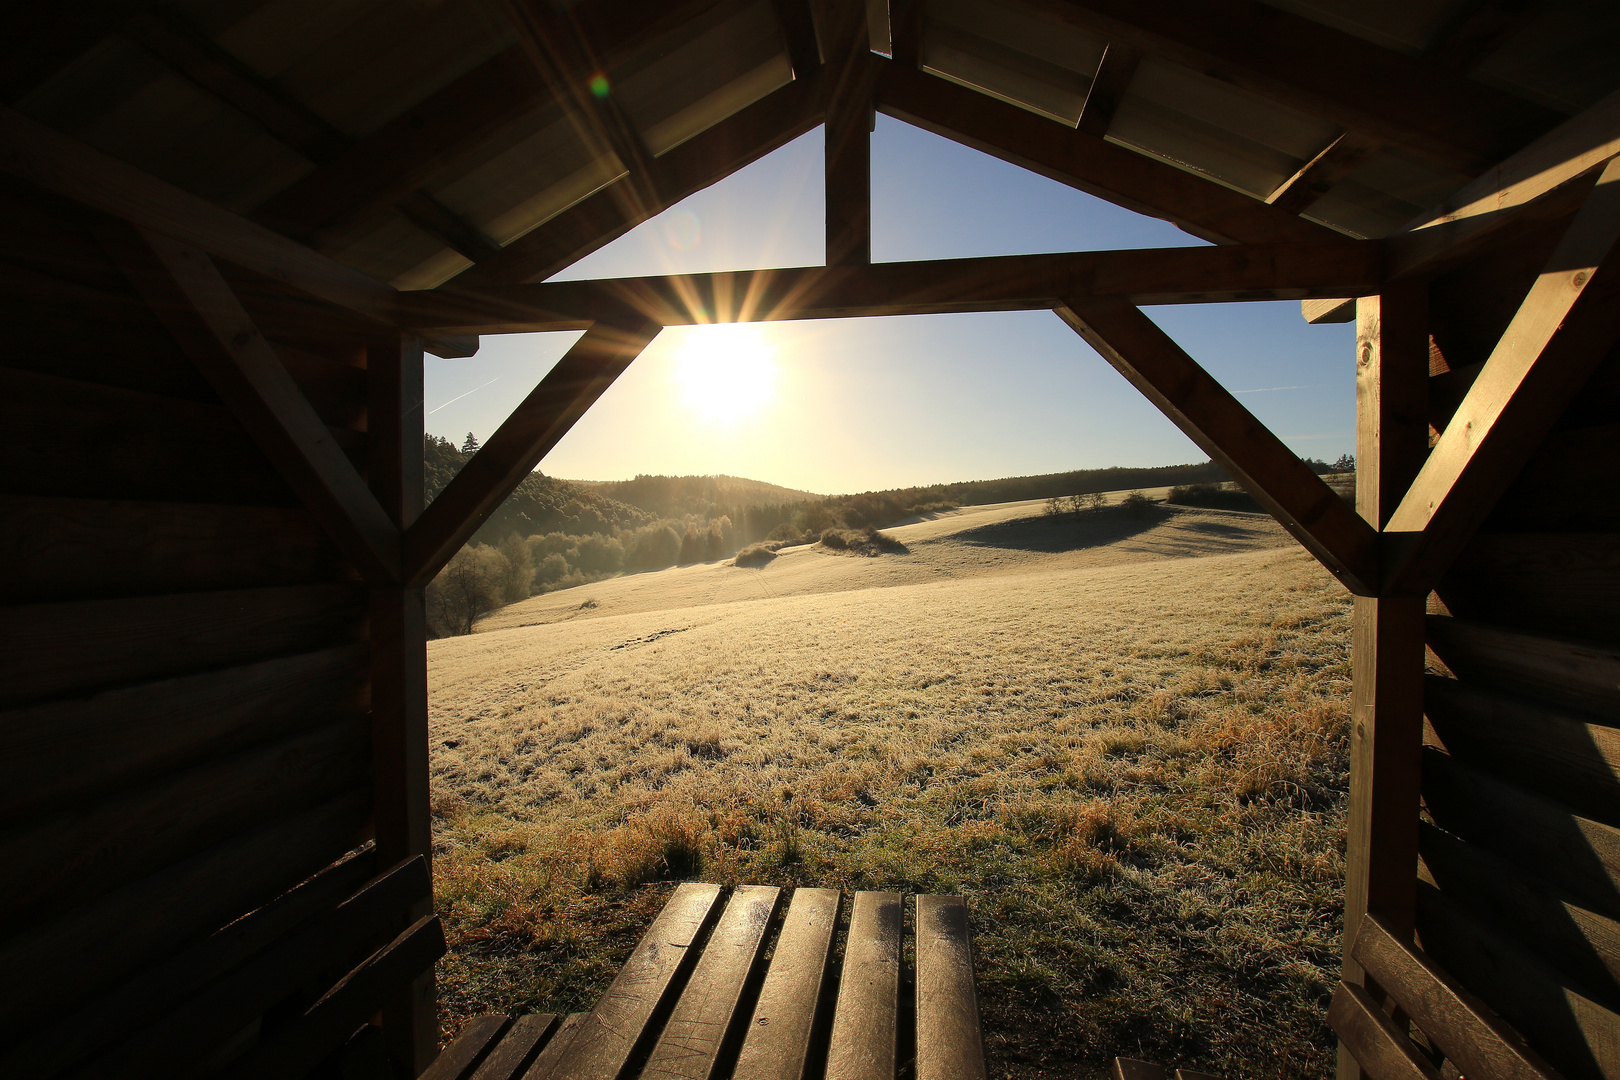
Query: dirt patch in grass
1135,774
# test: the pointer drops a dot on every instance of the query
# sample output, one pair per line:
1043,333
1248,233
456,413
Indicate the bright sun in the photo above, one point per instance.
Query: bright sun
725,371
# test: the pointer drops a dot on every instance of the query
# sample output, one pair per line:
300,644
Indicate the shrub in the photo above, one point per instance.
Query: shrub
754,555
834,539
467,589
1216,496
1137,504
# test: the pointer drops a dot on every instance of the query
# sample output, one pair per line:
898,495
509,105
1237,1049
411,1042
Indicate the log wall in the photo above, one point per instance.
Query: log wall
1519,881
184,657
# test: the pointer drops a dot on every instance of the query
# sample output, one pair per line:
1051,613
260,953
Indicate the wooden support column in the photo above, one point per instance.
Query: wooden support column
399,672
848,135
1386,708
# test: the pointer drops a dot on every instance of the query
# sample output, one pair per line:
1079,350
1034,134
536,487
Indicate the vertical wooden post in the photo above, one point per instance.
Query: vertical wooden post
399,671
1386,711
848,130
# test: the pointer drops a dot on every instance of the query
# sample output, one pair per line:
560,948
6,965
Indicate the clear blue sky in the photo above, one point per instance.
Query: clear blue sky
840,406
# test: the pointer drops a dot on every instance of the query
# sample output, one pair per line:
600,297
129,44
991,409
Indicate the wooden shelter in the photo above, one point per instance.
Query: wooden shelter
231,228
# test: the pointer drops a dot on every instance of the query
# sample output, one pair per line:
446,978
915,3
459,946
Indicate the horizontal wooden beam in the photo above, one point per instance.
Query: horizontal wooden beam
1209,415
1562,331
73,170
1084,161
773,121
1002,283
1361,86
526,436
187,293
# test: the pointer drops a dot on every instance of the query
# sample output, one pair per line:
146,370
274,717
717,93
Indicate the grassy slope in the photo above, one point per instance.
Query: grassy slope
1122,740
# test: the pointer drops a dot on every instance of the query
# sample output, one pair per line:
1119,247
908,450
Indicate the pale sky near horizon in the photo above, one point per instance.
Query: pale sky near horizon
841,406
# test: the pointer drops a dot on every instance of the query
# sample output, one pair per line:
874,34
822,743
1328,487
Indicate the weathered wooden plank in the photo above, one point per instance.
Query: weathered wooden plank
1382,1049
998,283
1571,853
1084,161
949,1045
62,431
1556,491
865,1029
72,169
477,1038
66,753
707,1013
1583,945
89,948
65,549
553,1050
83,852
327,1023
1579,1037
83,646
606,1038
1557,339
1475,1040
1579,675
1133,1069
1527,744
847,153
332,941
582,375
1209,415
517,1048
197,304
1557,583
64,1042
777,1046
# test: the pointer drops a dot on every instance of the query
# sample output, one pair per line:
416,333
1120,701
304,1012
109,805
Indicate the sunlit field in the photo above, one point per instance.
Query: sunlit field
1121,738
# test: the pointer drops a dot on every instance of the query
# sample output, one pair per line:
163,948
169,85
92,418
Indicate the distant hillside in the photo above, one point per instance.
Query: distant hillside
541,504
697,496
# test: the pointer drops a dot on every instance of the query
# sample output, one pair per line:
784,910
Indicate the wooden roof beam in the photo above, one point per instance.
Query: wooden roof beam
1478,29
906,31
526,436
1209,415
773,121
1562,331
1081,160
1361,86
1317,176
1002,283
63,165
799,34
1113,76
185,290
848,130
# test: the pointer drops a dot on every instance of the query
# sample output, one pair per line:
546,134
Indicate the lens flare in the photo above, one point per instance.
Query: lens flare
725,371
600,87
682,230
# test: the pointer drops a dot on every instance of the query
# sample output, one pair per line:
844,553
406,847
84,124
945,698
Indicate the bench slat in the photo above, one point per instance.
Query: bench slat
865,1024
602,1045
689,1047
554,1049
777,1046
949,1046
520,1043
472,1041
1136,1069
1381,1049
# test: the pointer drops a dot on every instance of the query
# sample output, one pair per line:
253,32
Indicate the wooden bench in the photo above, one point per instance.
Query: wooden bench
697,998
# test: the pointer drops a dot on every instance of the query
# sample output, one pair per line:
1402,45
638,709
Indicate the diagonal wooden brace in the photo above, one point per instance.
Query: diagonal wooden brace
185,289
1215,420
535,426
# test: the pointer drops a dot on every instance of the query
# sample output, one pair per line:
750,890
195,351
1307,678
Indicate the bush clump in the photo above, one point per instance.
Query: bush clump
1213,496
867,541
754,555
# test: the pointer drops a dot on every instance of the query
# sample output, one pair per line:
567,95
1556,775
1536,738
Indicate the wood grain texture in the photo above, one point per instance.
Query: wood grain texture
1577,1036
605,1039
1473,1038
1539,749
949,1045
707,1014
786,1017
549,1054
472,1044
1380,1048
65,1042
517,1048
1567,851
1578,675
1209,415
85,851
865,1036
84,646
68,549
72,752
80,951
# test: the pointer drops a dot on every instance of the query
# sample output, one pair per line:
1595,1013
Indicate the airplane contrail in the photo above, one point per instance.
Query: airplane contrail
1269,389
458,397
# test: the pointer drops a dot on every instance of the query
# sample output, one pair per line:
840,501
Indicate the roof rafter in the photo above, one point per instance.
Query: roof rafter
1002,283
1317,176
1361,86
1114,73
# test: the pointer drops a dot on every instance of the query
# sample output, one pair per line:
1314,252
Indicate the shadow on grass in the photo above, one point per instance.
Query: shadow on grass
1065,532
